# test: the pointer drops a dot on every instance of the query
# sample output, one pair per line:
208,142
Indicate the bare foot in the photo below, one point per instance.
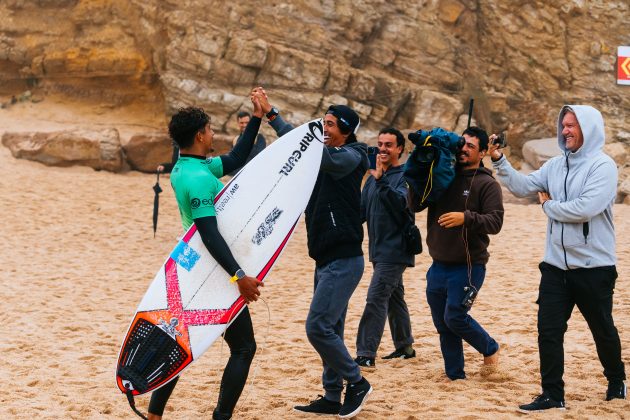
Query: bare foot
492,359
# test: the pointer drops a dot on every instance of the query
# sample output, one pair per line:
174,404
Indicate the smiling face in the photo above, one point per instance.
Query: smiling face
572,132
469,156
333,137
388,149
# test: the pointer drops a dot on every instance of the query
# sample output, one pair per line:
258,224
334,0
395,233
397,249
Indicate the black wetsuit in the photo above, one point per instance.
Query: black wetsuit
240,338
240,334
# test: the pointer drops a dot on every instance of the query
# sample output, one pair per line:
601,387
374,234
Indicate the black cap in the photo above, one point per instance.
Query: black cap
347,119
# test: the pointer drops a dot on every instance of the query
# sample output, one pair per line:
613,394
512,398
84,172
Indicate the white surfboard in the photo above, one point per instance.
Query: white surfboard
191,301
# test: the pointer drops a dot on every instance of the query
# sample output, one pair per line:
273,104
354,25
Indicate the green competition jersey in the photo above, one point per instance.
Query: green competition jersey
195,181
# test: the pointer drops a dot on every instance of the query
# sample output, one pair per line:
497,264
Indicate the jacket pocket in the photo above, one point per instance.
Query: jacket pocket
571,235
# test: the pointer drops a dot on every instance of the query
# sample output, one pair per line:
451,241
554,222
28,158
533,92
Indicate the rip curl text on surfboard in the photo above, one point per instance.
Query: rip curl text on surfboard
304,144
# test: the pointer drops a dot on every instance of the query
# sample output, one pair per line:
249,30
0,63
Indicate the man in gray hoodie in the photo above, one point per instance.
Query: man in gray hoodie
577,191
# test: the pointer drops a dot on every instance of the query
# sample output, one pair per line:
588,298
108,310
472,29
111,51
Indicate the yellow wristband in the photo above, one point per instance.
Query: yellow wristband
237,276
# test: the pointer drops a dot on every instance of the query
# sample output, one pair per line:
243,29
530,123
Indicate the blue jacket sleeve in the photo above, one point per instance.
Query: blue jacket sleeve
394,195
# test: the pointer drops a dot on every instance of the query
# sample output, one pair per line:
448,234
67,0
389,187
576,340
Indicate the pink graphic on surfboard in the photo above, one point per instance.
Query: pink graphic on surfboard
191,301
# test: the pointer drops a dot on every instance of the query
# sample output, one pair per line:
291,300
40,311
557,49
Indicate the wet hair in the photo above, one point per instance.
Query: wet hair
185,125
243,114
481,134
400,139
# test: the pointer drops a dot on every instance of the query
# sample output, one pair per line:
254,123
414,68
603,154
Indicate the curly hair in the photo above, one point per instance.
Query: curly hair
481,134
185,124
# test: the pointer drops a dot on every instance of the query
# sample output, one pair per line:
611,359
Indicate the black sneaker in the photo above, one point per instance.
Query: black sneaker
320,406
365,361
401,353
616,389
540,403
356,396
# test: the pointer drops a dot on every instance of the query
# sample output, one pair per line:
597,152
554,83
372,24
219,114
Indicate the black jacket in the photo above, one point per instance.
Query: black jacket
332,216
385,233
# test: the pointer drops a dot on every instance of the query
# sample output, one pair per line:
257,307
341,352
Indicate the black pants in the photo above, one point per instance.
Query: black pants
591,289
240,338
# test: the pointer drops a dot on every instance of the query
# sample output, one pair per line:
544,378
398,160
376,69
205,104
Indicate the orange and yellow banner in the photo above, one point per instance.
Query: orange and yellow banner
623,65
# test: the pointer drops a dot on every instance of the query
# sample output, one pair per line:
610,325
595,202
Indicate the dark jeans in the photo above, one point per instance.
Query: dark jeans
240,338
334,284
591,289
445,292
385,301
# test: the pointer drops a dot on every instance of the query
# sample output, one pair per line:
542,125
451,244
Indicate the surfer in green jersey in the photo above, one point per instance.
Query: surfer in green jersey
195,181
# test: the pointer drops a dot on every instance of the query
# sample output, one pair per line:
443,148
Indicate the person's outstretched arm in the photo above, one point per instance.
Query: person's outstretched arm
237,157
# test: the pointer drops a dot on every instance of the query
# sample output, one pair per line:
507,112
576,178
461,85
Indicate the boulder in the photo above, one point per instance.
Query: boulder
537,152
617,151
99,149
145,152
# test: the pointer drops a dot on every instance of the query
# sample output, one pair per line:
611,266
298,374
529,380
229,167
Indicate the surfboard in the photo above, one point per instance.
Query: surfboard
191,300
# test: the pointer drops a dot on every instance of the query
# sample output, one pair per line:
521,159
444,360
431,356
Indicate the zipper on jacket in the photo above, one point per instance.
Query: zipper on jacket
332,216
566,198
551,228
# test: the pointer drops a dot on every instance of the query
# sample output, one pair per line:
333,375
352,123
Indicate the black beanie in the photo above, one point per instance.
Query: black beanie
348,120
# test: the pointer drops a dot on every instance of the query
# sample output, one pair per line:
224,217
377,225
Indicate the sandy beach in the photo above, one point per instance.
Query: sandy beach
79,251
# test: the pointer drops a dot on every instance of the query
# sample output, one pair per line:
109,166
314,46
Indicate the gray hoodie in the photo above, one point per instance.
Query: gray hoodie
582,186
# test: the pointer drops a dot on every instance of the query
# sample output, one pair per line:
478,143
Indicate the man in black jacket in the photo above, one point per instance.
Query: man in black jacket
384,209
335,234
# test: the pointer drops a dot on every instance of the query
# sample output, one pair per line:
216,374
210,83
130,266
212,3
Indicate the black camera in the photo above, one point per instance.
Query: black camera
501,140
469,297
372,152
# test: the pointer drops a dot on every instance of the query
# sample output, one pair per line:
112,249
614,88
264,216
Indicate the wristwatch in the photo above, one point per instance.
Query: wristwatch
271,115
238,275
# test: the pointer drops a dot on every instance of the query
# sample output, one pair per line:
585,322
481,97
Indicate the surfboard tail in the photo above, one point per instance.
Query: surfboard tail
150,357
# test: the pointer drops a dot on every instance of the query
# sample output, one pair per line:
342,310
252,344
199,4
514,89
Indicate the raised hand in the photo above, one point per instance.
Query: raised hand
262,97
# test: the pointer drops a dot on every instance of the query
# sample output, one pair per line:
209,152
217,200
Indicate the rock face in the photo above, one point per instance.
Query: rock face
144,152
537,152
97,149
408,64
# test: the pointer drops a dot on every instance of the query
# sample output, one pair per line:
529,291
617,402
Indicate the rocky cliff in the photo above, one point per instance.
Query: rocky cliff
408,64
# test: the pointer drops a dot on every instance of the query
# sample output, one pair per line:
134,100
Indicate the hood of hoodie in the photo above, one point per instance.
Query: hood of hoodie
592,126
